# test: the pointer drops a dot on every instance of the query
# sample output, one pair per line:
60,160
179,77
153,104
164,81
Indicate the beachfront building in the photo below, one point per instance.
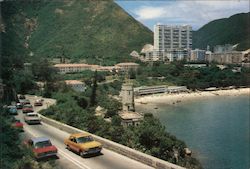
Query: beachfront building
177,89
130,118
144,90
172,42
76,85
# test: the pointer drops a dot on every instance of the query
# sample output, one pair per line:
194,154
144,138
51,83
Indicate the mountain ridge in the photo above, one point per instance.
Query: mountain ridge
90,30
232,30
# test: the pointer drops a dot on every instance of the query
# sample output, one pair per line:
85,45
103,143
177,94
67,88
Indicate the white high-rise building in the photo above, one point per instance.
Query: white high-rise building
169,40
172,37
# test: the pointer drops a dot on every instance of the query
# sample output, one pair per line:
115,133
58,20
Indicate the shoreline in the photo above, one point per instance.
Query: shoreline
175,98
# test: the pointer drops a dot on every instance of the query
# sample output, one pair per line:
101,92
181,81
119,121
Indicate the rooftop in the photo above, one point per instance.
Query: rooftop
127,64
80,134
125,115
74,65
39,139
72,82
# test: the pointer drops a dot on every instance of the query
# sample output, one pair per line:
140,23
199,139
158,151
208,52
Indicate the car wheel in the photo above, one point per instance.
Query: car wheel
81,154
67,147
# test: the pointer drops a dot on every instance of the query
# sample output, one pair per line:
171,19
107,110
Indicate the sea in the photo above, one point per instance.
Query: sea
216,129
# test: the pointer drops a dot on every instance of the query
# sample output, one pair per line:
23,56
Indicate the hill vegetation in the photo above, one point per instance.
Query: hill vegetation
232,30
94,31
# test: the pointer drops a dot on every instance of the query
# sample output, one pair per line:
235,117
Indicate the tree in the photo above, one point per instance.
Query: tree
94,88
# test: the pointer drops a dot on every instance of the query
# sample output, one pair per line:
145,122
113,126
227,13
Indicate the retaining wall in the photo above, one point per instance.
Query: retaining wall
121,149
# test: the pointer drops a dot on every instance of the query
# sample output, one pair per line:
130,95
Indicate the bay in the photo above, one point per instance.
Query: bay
216,129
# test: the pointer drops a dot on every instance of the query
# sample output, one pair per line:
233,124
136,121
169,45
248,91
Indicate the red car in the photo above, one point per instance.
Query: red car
27,108
41,147
17,124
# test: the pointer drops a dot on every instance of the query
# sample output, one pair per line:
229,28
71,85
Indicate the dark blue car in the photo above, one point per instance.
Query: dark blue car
12,110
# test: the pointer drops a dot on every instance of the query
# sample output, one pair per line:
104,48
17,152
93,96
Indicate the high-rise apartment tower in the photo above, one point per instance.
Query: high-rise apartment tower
168,37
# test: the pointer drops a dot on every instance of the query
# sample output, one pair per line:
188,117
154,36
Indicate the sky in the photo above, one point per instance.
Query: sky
182,12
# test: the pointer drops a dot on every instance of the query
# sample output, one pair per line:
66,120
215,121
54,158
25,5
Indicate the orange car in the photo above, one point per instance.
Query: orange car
83,143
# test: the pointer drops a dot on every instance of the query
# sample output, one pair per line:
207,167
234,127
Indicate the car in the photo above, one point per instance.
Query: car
12,110
25,101
16,123
32,118
38,102
83,144
19,106
41,147
21,96
27,108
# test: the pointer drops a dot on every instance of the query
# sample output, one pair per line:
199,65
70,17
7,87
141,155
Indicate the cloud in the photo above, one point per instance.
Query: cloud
146,12
195,13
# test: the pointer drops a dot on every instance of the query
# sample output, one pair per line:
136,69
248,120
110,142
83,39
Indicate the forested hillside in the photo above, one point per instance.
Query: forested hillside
232,30
97,31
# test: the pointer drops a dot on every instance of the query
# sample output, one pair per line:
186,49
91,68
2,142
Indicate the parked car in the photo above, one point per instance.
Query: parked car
19,106
21,96
83,143
12,110
41,147
32,118
27,108
16,123
25,101
38,102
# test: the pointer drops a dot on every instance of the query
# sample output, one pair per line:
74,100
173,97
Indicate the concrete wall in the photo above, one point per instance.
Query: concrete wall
121,149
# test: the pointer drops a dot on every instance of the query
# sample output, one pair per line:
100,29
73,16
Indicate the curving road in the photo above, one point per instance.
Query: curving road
69,160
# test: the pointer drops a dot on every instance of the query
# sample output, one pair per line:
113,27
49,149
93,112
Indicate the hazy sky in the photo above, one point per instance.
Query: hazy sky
193,12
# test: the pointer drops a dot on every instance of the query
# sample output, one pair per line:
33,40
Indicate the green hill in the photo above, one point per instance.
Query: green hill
78,29
232,30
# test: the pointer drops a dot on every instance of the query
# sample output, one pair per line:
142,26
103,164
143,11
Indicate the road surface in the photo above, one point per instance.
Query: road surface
69,160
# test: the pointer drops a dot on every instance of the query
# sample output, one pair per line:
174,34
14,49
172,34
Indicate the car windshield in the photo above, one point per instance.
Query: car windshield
84,139
28,106
43,144
32,115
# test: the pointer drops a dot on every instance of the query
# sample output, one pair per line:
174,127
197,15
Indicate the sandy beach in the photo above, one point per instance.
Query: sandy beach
175,98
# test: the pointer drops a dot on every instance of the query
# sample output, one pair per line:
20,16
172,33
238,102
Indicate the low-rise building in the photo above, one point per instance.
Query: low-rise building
76,85
233,57
223,48
176,89
129,118
71,68
126,66
197,55
144,90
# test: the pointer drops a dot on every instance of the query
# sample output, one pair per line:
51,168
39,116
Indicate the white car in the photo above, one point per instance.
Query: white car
32,118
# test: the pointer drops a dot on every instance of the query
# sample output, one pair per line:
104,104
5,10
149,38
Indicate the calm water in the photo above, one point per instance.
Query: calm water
216,129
